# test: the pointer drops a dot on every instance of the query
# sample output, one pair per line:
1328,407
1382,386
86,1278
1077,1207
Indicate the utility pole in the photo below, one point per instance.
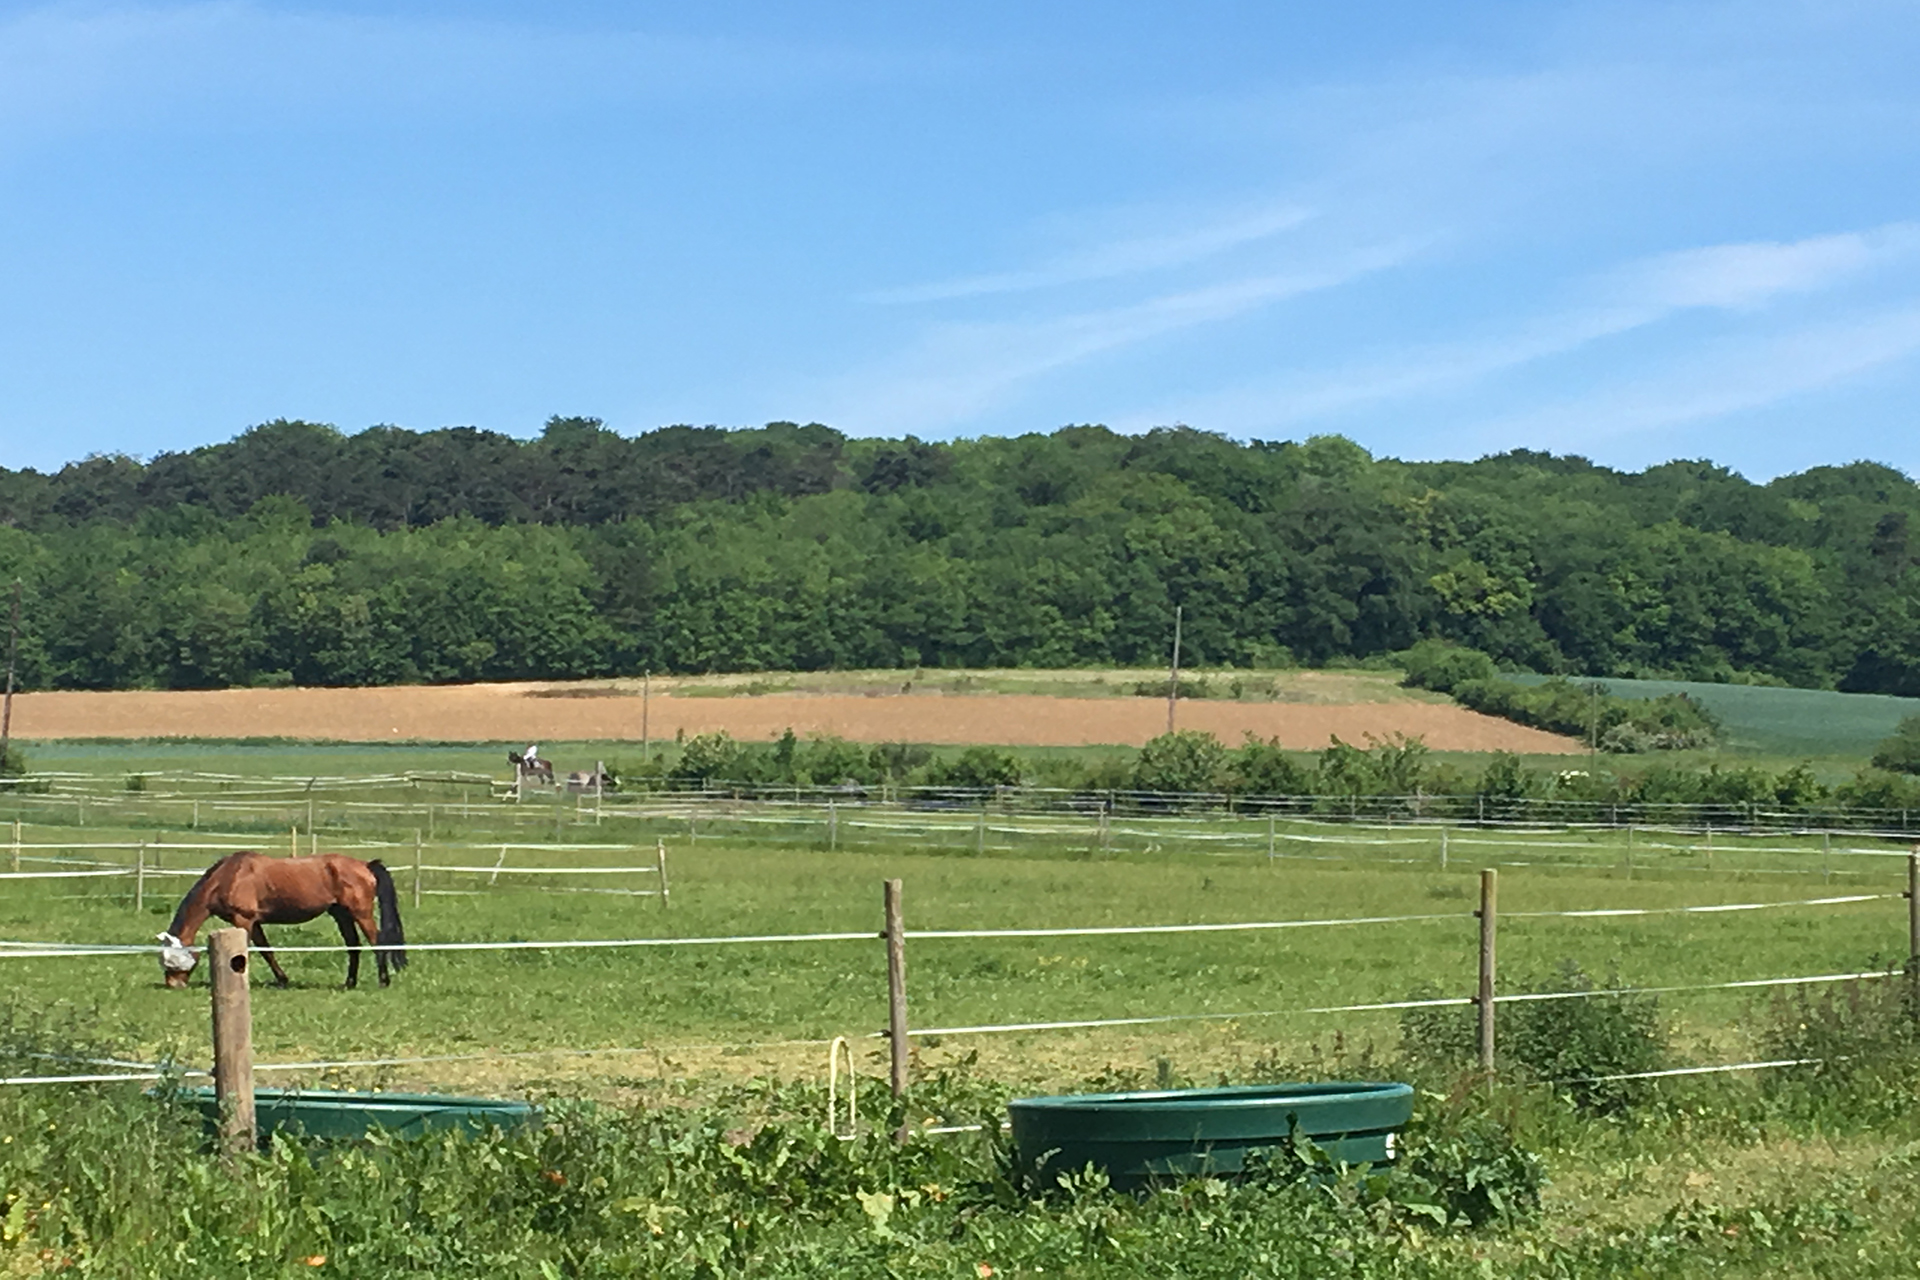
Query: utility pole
1593,725
1173,673
13,650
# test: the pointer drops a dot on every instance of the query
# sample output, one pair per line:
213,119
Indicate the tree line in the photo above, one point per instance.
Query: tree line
298,553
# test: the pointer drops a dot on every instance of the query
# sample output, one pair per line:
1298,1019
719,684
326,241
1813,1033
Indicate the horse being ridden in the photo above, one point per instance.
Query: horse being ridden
249,890
531,765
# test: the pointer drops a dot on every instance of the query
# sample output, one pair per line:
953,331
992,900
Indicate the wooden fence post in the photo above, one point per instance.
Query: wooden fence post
16,844
1826,857
1443,848
416,868
232,1038
660,863
896,987
1913,909
293,840
1489,917
980,830
1629,851
1270,848
140,879
196,815
833,827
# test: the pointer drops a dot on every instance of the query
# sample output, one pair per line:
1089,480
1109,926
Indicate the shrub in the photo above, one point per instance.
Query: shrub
980,767
1441,665
1851,1029
1473,1174
706,757
1185,761
1573,1041
1569,1042
1265,769
1900,753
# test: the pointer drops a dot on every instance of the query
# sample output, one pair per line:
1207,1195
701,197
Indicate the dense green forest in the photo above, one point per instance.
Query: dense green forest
299,553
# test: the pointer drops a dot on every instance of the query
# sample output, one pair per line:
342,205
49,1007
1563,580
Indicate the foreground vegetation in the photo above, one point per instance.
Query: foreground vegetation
1805,1173
295,553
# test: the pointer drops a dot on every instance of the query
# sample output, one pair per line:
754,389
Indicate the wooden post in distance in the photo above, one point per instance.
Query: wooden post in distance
1489,916
896,988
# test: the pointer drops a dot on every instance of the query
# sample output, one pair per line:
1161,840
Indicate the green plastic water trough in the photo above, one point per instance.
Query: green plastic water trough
1140,1137
320,1114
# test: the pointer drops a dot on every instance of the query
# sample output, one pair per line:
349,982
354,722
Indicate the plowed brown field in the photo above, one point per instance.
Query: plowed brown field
509,712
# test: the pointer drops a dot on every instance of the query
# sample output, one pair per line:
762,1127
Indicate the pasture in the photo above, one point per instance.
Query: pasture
604,1020
714,1160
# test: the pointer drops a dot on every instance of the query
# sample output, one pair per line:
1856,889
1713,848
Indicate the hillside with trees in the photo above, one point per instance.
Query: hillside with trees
300,553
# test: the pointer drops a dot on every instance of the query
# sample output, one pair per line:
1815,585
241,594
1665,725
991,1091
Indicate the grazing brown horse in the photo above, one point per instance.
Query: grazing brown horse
251,889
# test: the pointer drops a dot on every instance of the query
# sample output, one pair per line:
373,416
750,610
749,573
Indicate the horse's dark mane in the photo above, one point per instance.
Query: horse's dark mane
180,915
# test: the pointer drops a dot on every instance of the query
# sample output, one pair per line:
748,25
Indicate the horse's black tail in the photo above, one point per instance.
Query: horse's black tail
393,938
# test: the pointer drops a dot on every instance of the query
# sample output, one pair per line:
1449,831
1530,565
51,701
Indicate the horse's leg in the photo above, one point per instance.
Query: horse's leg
260,943
363,912
344,918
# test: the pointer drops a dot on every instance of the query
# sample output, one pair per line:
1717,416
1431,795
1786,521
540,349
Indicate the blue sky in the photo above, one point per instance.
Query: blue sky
1633,231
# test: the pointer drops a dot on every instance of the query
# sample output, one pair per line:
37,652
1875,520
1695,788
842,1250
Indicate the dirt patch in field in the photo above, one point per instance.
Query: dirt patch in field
509,712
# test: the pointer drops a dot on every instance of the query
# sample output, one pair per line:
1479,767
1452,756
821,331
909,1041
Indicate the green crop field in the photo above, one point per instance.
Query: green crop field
1774,722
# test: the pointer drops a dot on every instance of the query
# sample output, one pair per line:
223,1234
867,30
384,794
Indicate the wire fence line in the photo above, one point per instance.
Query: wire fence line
156,1071
56,950
161,1071
652,796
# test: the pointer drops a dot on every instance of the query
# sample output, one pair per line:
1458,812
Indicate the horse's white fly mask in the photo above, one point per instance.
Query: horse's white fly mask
175,956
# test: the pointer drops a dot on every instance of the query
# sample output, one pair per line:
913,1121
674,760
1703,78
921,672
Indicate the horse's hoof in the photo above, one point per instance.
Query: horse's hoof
282,983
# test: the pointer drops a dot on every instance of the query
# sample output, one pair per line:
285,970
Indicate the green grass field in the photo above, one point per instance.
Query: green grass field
733,1035
742,877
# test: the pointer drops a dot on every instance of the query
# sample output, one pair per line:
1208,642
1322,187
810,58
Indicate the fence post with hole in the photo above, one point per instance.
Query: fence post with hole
232,1038
896,935
1489,917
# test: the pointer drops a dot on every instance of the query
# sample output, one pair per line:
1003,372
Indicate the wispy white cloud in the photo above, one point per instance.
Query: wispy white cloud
1738,276
1731,277
1727,378
1116,258
960,369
